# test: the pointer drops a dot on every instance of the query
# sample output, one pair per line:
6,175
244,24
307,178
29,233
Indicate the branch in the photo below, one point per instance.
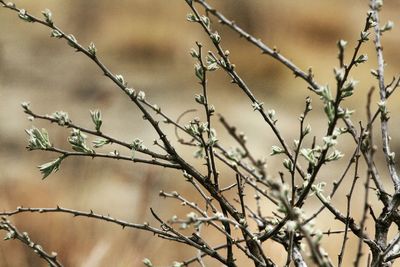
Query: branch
389,155
114,156
349,196
88,214
230,70
69,124
13,233
194,241
350,222
258,43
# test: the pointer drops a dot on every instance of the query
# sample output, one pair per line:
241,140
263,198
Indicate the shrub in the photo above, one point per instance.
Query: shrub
225,209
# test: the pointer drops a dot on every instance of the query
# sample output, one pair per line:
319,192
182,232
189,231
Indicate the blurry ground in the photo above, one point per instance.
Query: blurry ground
148,42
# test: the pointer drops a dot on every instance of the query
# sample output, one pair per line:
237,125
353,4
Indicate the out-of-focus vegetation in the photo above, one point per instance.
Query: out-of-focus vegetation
148,42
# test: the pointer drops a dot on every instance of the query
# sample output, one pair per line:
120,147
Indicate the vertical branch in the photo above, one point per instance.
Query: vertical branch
389,155
208,146
363,220
303,133
201,73
348,196
241,139
370,150
199,252
290,249
241,195
385,219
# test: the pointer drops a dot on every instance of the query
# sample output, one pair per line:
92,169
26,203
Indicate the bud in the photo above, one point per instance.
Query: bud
341,44
388,26
215,37
361,59
92,49
56,34
141,96
194,53
191,17
24,16
276,150
48,16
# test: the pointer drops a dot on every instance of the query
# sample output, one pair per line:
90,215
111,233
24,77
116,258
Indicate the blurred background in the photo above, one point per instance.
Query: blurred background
147,41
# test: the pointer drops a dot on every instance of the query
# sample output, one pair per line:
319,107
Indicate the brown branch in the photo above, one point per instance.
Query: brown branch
14,233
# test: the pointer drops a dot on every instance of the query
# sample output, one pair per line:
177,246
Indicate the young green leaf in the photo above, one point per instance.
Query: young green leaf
96,118
50,167
61,117
78,141
38,139
48,16
100,142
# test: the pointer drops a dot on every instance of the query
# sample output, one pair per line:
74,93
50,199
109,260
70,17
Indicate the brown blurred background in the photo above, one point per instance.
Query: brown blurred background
148,42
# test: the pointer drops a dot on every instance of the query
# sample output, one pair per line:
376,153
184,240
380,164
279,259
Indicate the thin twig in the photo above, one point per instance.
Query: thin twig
348,207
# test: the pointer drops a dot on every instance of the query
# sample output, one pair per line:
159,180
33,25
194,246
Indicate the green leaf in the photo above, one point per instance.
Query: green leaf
177,264
329,111
61,117
317,188
100,142
309,155
26,106
213,138
325,93
191,17
96,118
364,36
38,139
213,66
56,34
215,37
200,99
234,154
10,235
47,168
199,71
24,16
192,129
141,96
388,26
206,21
72,41
271,114
276,150
48,16
199,153
138,144
361,59
120,79
339,74
307,130
335,155
257,105
78,141
329,141
288,164
92,49
194,53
